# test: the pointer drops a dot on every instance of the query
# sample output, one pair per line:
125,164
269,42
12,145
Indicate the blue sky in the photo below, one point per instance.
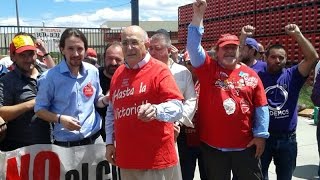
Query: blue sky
85,13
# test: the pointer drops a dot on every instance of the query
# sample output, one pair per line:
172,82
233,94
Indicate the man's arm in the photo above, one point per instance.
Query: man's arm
316,71
109,124
195,31
261,122
174,54
48,59
260,129
246,31
309,52
190,101
109,129
169,111
68,122
9,113
199,7
315,96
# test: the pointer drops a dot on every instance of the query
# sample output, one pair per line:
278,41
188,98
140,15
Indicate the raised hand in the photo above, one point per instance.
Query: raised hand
247,30
292,29
41,46
199,7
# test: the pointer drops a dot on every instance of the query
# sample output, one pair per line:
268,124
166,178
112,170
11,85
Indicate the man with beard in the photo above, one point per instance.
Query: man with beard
249,49
282,86
113,58
18,90
144,103
69,92
233,111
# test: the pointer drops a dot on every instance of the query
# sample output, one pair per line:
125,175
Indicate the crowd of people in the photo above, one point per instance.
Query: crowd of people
146,105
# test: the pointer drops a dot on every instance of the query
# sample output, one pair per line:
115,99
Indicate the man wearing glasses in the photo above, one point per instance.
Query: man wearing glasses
144,103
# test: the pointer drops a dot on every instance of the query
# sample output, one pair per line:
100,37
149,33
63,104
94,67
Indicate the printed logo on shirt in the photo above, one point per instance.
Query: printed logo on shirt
88,90
244,106
251,81
279,97
125,82
230,83
229,106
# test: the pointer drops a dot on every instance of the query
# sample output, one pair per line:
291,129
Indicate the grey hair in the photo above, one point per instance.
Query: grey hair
159,36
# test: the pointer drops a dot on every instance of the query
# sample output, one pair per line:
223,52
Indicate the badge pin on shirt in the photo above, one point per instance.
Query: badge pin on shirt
229,106
88,90
243,74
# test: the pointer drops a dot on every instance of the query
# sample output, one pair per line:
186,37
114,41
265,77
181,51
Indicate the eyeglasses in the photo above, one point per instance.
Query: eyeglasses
133,42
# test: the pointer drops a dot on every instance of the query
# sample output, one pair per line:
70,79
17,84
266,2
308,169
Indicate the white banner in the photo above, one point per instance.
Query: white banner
51,162
50,36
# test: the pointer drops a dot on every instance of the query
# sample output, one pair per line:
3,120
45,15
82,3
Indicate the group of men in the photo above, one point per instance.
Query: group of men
142,104
273,105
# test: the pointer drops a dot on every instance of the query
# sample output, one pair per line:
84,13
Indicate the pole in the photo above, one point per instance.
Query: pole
17,15
135,12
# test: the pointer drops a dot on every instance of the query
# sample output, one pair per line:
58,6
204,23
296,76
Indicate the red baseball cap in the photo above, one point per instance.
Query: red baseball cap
228,39
91,52
22,43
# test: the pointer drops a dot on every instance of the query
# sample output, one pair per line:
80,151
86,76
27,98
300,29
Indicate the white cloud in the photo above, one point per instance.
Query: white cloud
8,21
149,10
13,22
164,9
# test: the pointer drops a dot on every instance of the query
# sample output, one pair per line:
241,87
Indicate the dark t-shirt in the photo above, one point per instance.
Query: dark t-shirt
259,66
105,85
282,92
26,129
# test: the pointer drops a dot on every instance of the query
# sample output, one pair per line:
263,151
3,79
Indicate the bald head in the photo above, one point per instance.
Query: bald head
136,31
135,44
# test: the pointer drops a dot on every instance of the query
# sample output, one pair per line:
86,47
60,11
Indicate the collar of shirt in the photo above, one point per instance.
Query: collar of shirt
63,68
141,63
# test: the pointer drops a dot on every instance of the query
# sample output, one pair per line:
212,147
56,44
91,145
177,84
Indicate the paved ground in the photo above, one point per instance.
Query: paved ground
307,160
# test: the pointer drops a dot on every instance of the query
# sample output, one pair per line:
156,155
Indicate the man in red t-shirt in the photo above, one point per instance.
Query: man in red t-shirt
233,111
144,103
